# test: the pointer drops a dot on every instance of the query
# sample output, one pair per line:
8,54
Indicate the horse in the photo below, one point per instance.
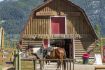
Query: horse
57,53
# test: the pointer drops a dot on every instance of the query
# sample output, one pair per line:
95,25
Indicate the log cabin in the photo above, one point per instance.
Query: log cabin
60,20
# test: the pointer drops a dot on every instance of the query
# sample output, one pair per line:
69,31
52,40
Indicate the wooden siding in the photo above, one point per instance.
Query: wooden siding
77,25
58,8
39,25
82,46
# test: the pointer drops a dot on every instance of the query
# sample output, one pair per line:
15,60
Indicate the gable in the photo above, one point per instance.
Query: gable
57,6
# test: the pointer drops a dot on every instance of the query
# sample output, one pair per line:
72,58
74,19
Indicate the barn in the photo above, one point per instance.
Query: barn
60,20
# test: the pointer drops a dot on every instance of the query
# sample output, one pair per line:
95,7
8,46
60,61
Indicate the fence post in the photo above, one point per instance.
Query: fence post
19,60
16,60
34,62
40,64
73,63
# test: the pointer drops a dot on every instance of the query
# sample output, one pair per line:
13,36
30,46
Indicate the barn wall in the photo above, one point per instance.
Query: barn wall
39,25
76,23
82,46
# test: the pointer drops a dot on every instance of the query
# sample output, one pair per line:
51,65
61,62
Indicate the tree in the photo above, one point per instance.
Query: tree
98,30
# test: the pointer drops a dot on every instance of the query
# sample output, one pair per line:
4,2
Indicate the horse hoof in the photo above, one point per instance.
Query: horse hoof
57,69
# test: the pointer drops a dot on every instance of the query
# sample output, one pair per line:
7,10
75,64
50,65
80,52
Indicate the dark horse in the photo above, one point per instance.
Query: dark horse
58,53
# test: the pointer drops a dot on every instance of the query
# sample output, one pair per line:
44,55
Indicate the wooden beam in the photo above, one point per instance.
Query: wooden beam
51,13
45,13
56,36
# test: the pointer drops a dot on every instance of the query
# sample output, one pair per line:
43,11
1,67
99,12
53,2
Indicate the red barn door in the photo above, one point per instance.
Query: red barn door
58,25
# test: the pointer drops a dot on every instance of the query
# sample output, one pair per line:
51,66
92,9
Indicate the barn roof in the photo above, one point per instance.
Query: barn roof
47,2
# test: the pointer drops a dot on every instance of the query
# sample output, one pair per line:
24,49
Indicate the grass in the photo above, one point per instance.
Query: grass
27,65
0,67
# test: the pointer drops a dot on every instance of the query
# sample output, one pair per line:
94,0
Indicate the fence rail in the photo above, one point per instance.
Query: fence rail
40,64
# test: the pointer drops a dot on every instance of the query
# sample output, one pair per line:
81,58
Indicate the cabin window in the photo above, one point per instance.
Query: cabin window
58,25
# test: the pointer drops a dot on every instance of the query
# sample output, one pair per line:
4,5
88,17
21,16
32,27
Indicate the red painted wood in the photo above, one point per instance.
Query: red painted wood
45,43
58,25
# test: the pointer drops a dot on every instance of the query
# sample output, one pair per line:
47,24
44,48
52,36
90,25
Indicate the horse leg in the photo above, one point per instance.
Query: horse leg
61,65
41,64
48,62
64,64
58,64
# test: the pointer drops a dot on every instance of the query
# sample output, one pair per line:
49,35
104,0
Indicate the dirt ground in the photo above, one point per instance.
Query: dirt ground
76,67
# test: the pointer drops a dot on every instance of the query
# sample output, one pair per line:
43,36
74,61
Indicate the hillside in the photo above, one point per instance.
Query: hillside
15,13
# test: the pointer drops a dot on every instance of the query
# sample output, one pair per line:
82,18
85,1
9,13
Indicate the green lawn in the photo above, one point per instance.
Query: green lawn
0,67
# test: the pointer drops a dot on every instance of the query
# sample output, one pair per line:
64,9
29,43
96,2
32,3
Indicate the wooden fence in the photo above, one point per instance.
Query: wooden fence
40,64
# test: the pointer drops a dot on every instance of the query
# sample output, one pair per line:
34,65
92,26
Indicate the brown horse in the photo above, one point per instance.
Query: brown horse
58,53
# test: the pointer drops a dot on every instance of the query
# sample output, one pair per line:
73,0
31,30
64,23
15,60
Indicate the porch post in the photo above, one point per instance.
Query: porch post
73,48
